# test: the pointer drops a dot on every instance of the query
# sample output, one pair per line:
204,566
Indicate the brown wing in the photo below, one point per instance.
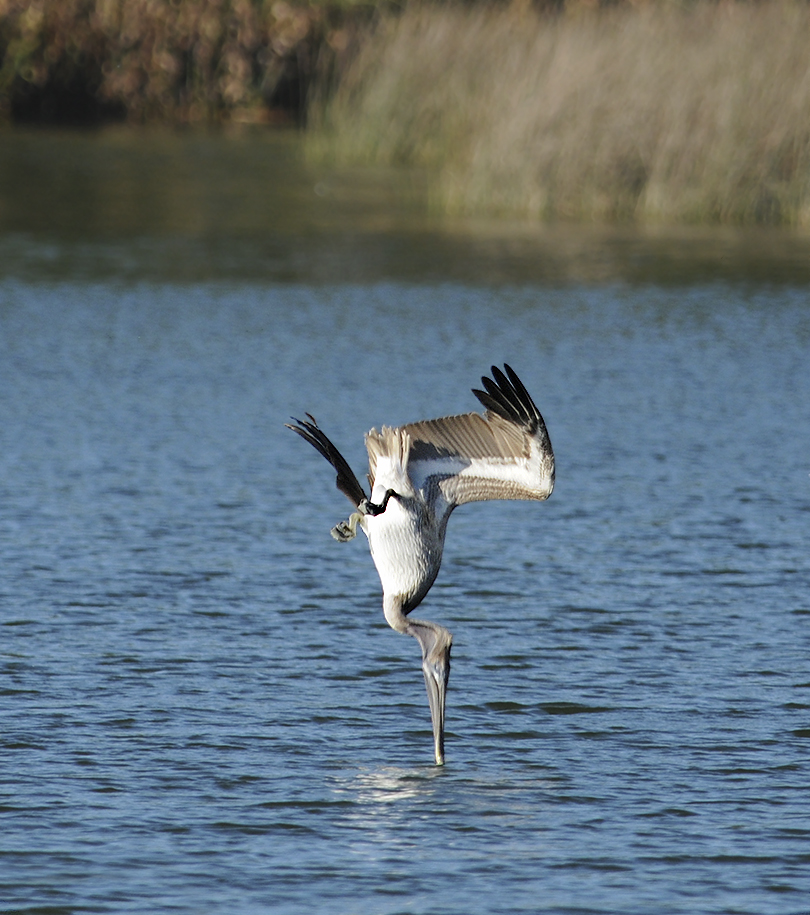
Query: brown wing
505,454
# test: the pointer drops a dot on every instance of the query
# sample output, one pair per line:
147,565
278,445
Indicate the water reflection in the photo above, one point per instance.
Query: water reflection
392,784
246,205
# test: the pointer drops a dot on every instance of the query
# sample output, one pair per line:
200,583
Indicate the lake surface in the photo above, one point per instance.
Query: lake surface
202,709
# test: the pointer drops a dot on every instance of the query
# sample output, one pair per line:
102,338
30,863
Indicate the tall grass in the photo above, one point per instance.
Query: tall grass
653,113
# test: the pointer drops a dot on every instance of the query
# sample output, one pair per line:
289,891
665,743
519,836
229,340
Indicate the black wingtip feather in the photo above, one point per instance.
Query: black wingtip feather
489,402
500,396
520,388
507,396
346,481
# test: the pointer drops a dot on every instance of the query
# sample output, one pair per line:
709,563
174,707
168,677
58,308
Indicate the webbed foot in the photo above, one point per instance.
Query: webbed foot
346,530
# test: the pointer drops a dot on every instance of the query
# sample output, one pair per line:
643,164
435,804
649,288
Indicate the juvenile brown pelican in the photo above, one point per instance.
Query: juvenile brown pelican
418,474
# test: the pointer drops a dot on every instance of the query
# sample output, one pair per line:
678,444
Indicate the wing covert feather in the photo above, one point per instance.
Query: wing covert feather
504,454
475,458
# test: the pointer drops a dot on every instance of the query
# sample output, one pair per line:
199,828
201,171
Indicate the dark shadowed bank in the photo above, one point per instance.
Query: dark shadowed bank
79,62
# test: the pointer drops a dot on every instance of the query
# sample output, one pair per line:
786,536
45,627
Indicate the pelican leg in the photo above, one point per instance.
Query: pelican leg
367,507
347,530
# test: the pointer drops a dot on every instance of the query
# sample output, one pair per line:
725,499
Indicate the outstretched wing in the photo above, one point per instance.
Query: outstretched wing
505,454
346,481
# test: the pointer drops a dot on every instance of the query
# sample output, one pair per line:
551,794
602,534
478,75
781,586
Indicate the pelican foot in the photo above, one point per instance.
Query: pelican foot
346,530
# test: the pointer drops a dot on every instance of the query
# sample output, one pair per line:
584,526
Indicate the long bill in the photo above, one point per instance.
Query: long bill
436,683
435,641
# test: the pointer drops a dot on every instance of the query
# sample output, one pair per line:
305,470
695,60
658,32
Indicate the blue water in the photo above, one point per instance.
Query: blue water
203,709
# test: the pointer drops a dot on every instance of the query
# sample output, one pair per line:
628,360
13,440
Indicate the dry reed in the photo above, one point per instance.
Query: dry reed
658,113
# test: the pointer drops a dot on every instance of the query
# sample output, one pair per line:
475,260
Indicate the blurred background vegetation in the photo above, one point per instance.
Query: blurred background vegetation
626,111
81,62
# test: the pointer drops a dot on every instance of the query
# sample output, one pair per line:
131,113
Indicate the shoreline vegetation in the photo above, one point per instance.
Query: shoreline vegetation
655,114
91,62
647,112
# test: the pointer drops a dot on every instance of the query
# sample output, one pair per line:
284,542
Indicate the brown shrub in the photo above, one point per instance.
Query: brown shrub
169,60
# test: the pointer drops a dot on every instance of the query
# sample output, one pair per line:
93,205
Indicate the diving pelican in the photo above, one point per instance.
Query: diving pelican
418,474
